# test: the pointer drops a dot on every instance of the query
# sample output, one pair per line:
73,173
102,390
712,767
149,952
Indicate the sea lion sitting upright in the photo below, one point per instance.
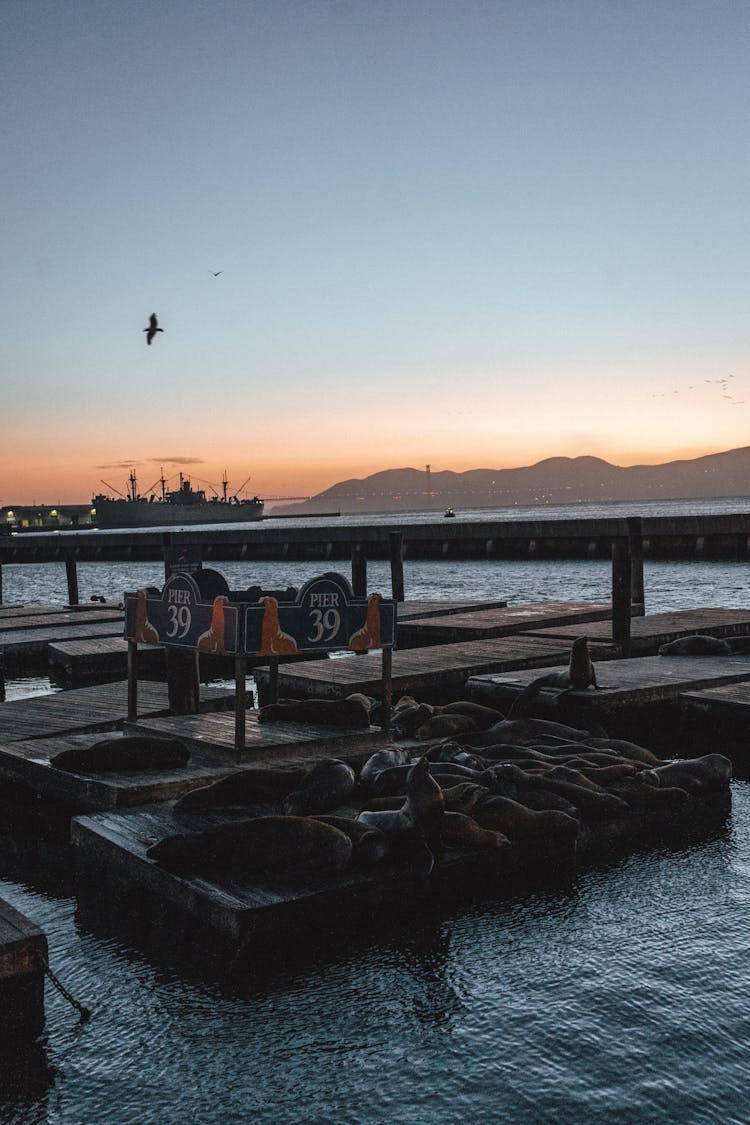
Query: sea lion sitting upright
578,676
421,813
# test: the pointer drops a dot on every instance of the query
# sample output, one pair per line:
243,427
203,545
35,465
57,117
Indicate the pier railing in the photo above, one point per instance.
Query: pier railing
627,541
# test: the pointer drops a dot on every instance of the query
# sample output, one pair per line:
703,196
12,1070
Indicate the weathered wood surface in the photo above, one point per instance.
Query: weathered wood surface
639,680
28,764
101,707
438,668
9,611
106,656
21,943
57,618
729,700
278,744
29,646
500,622
654,629
411,610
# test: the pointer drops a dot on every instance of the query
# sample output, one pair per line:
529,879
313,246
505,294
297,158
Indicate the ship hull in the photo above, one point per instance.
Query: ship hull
135,513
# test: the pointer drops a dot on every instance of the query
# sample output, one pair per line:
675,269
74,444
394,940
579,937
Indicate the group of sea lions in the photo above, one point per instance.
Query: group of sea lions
483,781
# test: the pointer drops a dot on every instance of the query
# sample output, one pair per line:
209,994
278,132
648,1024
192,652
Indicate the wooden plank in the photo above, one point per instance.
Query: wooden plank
26,646
101,707
637,681
59,618
654,629
28,764
100,656
23,955
439,668
499,622
21,941
411,610
276,743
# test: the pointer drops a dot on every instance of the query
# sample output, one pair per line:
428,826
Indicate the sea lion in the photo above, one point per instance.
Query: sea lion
459,831
578,676
123,752
712,771
367,701
640,795
484,717
625,749
213,638
698,644
592,805
328,784
145,633
382,760
256,846
443,725
518,731
519,822
369,635
464,796
421,812
274,641
369,844
408,719
320,712
245,787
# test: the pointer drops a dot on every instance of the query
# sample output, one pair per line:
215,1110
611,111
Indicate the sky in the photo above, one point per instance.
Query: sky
466,234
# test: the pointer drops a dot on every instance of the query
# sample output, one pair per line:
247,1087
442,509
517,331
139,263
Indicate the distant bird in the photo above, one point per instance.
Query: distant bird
153,328
216,272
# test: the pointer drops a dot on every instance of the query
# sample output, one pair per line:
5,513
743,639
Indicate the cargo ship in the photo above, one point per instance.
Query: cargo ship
183,505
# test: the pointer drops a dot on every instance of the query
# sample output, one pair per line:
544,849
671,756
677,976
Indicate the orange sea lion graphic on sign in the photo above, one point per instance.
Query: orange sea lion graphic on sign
213,638
145,633
369,635
273,641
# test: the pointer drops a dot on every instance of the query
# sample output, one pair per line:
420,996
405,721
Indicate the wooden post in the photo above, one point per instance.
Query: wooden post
273,679
132,681
240,703
396,541
637,592
183,681
166,539
387,690
621,593
359,570
1,583
71,574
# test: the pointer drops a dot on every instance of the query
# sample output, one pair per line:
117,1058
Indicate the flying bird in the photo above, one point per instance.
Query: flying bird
216,272
153,328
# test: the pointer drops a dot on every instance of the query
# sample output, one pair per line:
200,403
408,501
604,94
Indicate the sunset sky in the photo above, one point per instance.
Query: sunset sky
469,234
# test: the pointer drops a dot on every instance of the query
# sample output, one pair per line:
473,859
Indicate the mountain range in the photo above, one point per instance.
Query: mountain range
555,480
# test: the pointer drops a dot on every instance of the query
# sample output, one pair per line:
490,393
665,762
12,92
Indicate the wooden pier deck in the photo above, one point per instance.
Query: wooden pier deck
102,707
62,617
85,659
27,763
719,717
647,633
438,671
23,954
28,647
275,744
482,622
412,610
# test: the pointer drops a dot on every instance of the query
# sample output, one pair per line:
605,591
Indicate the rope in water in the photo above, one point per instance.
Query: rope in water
85,1013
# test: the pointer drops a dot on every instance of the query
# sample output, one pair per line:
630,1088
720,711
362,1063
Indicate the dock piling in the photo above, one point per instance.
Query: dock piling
396,546
621,593
71,573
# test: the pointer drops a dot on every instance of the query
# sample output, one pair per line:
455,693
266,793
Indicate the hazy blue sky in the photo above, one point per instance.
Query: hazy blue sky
470,234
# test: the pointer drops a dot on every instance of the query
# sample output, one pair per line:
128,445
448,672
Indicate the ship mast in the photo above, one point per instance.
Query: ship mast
132,480
224,483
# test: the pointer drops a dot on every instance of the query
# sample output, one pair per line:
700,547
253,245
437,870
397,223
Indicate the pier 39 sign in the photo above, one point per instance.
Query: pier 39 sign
324,616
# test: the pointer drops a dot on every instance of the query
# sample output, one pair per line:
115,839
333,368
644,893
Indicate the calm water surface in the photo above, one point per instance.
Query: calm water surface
621,997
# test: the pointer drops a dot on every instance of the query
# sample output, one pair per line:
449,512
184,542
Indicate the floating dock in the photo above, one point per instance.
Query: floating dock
483,623
648,632
23,955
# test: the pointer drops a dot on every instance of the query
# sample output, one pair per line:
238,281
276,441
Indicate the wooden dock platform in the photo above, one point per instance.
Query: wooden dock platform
413,610
648,632
638,695
27,763
23,954
89,658
102,707
277,744
61,617
28,647
482,622
434,674
719,717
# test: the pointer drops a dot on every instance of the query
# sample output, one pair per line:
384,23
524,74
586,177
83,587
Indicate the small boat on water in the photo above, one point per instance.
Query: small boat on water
183,505
450,514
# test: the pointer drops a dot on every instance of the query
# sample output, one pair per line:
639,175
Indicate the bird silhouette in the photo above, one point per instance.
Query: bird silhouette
153,328
216,272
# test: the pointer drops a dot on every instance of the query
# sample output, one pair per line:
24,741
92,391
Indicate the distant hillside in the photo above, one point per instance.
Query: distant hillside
556,480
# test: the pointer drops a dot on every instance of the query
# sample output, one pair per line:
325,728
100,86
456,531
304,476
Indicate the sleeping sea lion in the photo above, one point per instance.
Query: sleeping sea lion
712,771
444,725
328,784
123,752
245,787
521,823
382,760
696,645
459,831
369,844
322,712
